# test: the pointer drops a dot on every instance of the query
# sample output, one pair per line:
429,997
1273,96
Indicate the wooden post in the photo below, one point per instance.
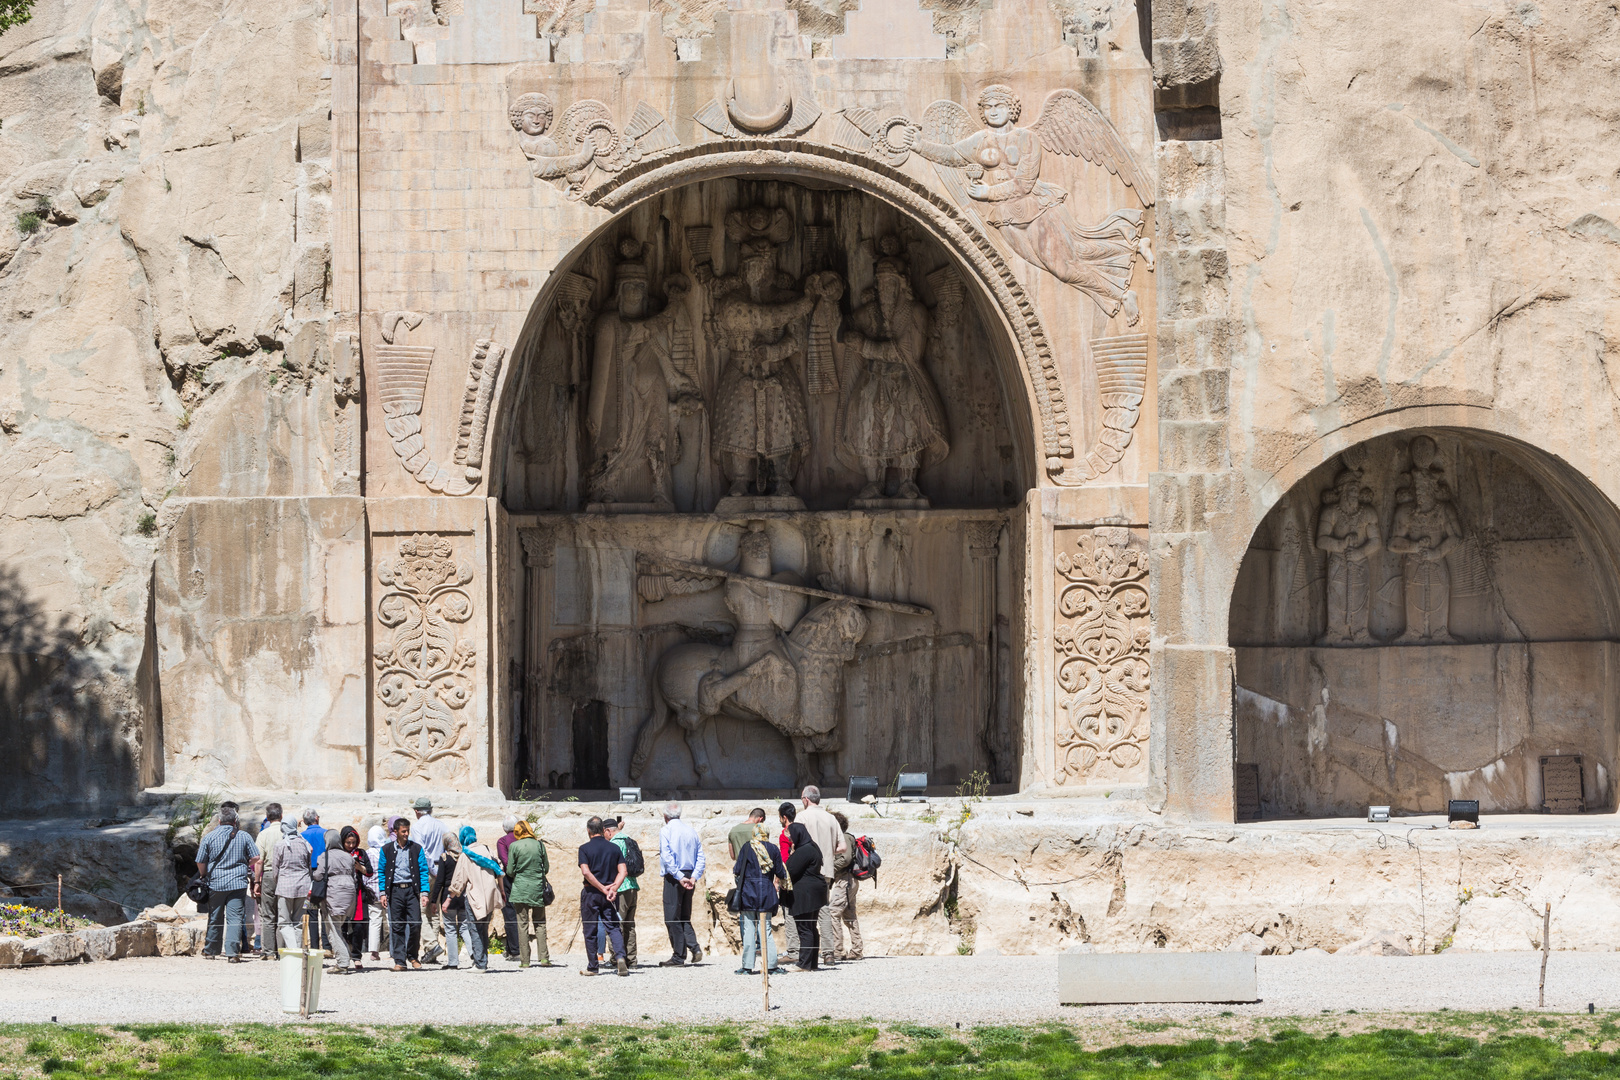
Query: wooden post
303,977
765,958
1546,943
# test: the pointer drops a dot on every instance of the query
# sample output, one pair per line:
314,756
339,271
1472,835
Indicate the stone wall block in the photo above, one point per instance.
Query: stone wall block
1192,703
1194,343
1194,395
1188,446
1192,282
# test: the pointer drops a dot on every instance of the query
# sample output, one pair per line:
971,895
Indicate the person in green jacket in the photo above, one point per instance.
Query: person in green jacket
625,898
526,870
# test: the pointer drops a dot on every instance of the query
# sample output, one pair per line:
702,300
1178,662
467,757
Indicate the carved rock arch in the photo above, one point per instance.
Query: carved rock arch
1592,511
787,158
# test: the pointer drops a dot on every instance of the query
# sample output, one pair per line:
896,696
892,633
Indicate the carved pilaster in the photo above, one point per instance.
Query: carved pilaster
1101,635
425,662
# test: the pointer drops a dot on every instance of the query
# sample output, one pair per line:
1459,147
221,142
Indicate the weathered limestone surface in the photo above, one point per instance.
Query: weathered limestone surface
167,152
385,391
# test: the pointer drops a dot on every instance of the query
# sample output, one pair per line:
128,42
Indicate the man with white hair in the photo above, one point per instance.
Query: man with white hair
508,910
829,838
680,860
430,832
315,836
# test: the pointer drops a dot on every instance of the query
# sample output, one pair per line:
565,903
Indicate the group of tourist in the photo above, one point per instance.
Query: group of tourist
432,893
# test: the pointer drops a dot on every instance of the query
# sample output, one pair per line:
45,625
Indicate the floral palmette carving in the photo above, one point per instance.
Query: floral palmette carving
424,667
1103,673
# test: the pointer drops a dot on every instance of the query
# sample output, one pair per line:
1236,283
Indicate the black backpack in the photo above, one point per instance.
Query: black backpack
634,864
865,864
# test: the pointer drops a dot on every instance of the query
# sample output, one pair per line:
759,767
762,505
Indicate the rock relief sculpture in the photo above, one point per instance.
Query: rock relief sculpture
1348,530
402,374
761,420
1002,164
1101,637
1425,531
640,365
890,415
586,139
784,665
424,666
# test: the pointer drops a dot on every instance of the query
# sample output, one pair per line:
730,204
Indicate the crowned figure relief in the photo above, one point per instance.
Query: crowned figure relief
1425,531
635,377
891,414
1004,162
1348,530
761,420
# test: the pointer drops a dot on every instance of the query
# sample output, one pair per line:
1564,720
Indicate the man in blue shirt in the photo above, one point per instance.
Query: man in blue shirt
227,859
680,860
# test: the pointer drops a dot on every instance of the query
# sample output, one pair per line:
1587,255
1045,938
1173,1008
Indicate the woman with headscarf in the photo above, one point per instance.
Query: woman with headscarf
809,894
759,867
526,870
365,894
476,884
377,929
335,873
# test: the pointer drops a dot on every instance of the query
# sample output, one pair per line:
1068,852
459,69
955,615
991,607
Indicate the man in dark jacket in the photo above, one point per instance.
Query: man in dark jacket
403,872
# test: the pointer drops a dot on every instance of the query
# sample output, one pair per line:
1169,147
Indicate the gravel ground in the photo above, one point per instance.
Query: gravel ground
941,990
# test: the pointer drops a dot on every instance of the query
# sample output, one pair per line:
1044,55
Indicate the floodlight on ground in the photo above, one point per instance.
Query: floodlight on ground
629,794
1463,810
862,786
911,785
1377,813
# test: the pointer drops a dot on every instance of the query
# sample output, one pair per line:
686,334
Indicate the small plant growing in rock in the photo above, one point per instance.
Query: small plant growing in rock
184,421
28,223
147,523
168,457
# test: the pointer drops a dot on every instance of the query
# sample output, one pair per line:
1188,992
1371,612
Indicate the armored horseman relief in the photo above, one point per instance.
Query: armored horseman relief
784,665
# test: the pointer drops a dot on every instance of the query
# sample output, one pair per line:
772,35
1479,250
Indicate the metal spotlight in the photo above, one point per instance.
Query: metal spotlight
1466,810
1377,813
911,785
862,786
629,794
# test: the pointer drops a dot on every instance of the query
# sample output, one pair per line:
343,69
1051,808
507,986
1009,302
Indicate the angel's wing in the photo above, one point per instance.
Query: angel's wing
1069,124
949,123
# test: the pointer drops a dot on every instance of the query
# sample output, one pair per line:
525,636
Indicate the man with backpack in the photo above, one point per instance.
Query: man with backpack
625,899
841,903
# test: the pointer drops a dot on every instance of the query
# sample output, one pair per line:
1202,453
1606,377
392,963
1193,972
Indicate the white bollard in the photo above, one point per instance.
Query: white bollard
292,980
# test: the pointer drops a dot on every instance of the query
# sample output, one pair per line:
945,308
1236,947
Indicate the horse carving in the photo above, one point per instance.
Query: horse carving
794,685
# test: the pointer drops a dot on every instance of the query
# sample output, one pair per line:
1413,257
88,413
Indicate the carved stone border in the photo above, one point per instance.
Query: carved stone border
728,157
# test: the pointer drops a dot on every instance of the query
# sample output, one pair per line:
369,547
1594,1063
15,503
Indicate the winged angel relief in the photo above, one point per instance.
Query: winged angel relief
997,171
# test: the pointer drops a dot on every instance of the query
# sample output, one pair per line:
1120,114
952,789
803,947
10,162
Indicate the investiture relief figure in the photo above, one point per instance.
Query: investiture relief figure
761,423
891,415
1348,530
634,367
1425,530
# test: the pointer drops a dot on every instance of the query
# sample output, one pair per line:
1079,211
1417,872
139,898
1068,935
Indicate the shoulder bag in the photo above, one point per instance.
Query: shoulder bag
317,887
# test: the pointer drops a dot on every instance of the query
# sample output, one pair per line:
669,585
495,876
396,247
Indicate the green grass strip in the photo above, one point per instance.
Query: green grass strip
770,1052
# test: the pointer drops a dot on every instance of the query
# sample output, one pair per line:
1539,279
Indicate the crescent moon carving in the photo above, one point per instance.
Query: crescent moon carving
759,124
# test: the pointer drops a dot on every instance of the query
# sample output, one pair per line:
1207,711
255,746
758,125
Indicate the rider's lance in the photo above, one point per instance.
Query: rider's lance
711,571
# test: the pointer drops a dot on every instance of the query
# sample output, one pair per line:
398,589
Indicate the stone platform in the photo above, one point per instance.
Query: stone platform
1026,875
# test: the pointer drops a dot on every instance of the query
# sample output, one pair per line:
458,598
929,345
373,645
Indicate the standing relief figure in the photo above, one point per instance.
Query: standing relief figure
761,420
1003,163
891,414
633,368
1425,531
1347,529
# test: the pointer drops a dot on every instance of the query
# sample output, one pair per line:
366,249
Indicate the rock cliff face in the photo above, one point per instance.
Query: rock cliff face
163,279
